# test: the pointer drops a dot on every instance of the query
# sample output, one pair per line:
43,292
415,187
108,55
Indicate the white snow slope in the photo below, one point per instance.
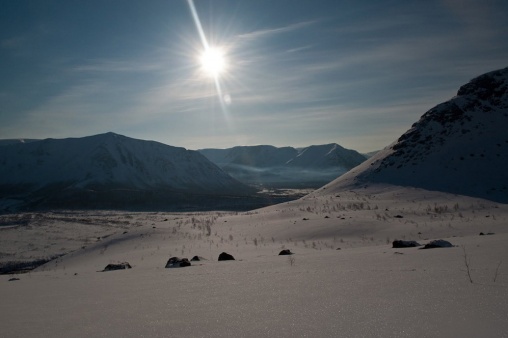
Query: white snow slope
459,146
366,289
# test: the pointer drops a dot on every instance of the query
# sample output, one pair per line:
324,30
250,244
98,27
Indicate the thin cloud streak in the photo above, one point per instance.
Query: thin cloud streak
265,33
118,66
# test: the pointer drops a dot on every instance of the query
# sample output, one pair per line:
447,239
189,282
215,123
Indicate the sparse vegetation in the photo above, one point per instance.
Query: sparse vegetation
467,263
497,271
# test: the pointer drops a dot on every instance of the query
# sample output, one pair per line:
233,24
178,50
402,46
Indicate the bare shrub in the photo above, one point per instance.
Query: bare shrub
467,264
497,270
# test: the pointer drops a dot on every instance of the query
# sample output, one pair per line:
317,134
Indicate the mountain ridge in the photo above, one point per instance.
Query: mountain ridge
105,164
459,146
286,167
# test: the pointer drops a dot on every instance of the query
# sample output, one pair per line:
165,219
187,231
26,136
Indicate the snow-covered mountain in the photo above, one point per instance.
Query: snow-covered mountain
288,167
326,156
104,164
262,156
460,146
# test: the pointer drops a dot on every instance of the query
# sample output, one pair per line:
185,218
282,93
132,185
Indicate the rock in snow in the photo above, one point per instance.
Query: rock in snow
226,257
438,243
285,252
177,262
405,244
118,266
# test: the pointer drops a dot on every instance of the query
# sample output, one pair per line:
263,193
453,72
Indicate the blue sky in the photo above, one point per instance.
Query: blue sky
357,73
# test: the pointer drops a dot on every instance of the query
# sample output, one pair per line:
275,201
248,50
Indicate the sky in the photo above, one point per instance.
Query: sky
296,73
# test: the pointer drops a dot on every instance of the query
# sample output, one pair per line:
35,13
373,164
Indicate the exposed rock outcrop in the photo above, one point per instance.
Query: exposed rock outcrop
438,243
404,244
177,262
117,266
226,257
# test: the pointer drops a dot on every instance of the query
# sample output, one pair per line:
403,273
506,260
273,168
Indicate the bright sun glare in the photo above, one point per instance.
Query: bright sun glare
213,61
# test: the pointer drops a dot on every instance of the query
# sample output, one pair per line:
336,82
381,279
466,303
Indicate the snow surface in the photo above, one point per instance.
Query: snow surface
364,289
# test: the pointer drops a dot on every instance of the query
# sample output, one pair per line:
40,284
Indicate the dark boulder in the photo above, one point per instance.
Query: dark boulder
177,262
117,266
195,259
438,243
226,257
404,244
285,252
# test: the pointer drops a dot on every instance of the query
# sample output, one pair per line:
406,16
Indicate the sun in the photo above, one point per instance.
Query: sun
213,61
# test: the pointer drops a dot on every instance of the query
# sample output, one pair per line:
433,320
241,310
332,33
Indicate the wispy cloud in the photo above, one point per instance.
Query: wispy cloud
299,49
118,66
264,33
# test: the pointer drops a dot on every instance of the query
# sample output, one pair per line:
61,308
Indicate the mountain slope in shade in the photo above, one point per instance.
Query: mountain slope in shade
285,167
460,146
107,163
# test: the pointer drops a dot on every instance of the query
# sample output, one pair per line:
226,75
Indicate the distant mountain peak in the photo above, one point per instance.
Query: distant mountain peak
286,167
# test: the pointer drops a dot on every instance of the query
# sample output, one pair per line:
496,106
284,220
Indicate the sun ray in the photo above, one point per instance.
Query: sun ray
212,61
197,22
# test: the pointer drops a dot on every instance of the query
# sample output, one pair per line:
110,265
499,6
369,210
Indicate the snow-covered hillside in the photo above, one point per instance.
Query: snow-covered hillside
311,166
327,156
108,162
459,146
365,289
